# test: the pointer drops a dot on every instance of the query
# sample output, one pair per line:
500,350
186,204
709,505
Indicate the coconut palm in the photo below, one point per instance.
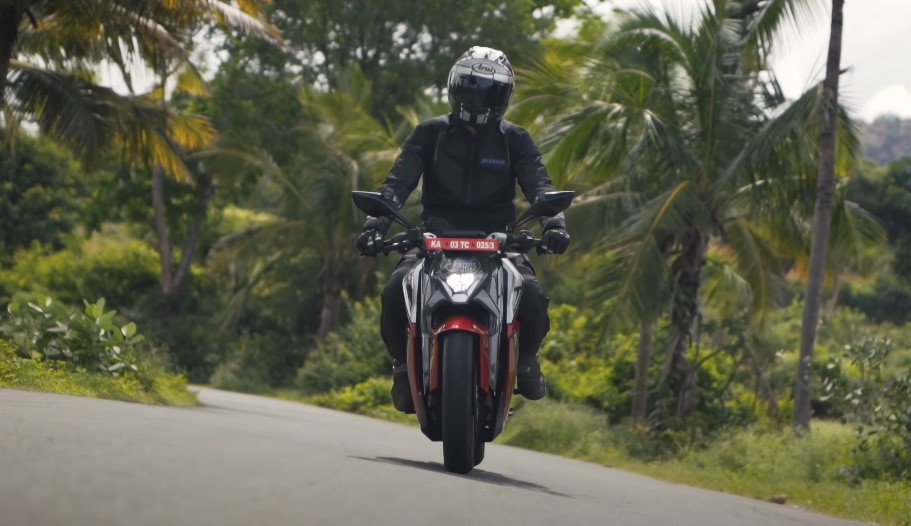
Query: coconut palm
347,150
50,50
825,205
683,125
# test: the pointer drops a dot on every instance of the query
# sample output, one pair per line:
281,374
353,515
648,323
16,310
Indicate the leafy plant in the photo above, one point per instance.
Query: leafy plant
352,355
88,339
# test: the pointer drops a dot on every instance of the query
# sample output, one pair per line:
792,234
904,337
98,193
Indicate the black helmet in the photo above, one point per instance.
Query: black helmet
480,85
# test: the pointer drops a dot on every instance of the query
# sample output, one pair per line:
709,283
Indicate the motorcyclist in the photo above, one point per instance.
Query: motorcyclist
470,161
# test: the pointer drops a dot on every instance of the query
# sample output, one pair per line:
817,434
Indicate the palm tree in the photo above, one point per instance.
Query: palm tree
49,50
347,150
822,220
52,48
684,126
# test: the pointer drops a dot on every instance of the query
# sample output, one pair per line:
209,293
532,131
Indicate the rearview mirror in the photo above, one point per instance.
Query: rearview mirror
374,204
548,205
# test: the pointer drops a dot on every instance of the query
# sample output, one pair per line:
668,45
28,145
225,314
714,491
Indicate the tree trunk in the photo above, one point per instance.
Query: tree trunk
162,231
10,18
764,389
687,276
643,360
182,278
822,221
332,302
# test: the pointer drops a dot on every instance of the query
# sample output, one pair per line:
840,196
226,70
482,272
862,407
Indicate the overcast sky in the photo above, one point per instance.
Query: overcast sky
876,49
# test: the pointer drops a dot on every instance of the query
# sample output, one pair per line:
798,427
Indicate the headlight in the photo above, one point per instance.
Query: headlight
460,274
460,282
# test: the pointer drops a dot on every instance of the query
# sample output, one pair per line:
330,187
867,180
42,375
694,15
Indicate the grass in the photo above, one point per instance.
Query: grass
149,387
369,398
814,472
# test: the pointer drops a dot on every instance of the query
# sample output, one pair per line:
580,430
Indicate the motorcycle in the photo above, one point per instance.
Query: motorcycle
462,301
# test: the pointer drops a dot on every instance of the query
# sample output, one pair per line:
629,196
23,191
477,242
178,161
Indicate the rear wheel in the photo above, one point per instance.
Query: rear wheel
459,407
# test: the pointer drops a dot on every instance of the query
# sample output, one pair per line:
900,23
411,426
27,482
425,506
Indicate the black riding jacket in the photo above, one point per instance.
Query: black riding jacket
469,179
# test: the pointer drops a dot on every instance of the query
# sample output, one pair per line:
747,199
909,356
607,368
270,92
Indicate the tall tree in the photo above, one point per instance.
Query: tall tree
822,220
345,149
405,46
679,124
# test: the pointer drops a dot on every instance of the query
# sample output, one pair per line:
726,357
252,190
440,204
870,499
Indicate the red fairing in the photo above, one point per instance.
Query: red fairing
462,323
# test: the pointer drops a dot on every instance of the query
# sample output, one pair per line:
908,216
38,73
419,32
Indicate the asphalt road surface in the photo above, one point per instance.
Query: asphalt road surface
245,460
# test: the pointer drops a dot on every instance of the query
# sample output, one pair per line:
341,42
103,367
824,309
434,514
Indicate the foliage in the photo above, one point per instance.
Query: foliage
411,50
370,398
258,363
40,195
156,387
349,356
89,339
812,471
886,299
877,404
47,346
120,270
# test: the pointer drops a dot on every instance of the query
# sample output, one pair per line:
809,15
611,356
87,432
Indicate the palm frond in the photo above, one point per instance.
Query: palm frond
774,17
243,17
756,260
89,118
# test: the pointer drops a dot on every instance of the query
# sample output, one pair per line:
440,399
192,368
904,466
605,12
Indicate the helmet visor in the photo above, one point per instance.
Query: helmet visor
480,93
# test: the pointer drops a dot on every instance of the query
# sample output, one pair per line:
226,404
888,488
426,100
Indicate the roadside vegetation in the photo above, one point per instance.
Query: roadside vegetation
211,209
46,346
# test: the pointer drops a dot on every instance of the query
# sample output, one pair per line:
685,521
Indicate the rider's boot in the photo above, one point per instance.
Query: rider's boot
401,390
530,381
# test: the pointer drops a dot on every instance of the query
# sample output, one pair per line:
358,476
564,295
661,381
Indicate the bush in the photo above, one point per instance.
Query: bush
878,405
257,364
347,357
49,330
47,346
370,398
120,270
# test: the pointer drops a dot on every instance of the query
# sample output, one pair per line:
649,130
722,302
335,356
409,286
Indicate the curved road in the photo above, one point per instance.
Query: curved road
246,460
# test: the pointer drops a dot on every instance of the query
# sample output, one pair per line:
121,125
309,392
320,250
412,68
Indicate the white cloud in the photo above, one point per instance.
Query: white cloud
894,99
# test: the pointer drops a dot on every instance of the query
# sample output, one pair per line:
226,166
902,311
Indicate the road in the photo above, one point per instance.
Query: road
245,460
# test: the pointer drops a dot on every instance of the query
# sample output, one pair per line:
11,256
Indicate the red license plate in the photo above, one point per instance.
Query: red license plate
469,245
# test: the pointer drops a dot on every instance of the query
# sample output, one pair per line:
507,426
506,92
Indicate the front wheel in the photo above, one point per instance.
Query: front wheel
459,407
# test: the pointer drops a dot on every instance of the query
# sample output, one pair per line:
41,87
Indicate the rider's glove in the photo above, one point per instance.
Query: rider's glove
555,240
369,243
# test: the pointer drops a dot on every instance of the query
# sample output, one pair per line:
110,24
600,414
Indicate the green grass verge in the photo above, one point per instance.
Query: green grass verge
813,472
369,398
154,387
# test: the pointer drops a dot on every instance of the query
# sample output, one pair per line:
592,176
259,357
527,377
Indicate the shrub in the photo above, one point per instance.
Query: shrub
347,357
47,346
256,364
370,397
878,405
88,339
119,270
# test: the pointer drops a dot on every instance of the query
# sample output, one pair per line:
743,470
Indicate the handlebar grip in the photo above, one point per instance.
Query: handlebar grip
398,243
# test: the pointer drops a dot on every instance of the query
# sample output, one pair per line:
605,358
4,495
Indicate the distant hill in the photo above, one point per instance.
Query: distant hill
887,139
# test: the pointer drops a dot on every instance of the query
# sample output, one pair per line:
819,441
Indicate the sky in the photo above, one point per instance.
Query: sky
876,49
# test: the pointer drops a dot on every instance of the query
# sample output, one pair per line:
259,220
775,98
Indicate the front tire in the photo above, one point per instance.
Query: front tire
459,407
